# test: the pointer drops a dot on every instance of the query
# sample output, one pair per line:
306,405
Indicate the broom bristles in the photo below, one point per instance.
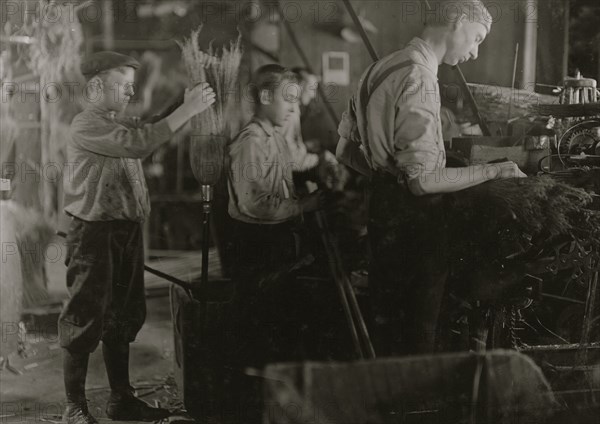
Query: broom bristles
206,158
220,71
207,144
537,203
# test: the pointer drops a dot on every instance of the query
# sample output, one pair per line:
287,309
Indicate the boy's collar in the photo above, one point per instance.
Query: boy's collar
102,111
431,60
265,124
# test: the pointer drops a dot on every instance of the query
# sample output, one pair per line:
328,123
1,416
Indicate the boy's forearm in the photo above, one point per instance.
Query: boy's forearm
179,117
449,180
166,112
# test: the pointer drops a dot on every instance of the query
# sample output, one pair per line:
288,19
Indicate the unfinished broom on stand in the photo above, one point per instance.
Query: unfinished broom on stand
210,128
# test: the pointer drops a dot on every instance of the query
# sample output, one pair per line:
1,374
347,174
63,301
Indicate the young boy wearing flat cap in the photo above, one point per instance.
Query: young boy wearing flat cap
107,199
392,132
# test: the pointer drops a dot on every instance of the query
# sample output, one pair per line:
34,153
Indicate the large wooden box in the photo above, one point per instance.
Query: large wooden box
480,150
525,152
498,387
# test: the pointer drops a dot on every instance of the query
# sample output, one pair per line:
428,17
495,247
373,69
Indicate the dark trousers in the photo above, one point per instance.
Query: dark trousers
408,267
261,250
265,301
105,279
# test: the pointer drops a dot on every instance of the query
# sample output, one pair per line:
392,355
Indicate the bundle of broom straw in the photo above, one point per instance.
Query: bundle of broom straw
210,129
498,219
536,203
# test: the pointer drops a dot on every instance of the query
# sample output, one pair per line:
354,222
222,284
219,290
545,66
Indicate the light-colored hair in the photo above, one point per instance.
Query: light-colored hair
444,12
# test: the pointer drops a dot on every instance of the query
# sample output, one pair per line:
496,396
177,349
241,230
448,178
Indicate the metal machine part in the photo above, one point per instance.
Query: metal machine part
582,138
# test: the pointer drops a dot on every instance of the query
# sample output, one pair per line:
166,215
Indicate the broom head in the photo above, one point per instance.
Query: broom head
207,152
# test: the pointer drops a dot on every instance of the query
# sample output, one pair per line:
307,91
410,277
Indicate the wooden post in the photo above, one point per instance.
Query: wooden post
179,170
47,187
530,44
108,30
566,39
598,59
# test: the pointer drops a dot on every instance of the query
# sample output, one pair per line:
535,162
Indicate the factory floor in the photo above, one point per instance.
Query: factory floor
37,394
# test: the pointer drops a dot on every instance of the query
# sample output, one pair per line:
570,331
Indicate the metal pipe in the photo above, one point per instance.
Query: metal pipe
207,197
512,86
589,308
361,30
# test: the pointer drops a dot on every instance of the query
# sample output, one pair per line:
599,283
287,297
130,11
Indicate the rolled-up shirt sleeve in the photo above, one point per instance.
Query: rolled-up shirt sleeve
416,132
114,139
258,185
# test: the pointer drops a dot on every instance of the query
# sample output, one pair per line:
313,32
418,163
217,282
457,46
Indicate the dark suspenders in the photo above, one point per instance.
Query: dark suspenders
365,94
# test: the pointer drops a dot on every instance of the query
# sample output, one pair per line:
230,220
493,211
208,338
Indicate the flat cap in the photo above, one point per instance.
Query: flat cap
103,61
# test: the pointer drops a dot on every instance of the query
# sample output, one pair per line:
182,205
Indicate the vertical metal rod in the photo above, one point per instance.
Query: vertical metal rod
588,318
207,198
589,309
514,77
205,243
180,167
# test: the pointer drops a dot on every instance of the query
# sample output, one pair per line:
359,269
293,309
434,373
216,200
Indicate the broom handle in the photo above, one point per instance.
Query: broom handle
205,243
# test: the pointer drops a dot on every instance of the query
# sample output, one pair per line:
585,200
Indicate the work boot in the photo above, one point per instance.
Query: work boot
78,414
123,405
130,408
75,366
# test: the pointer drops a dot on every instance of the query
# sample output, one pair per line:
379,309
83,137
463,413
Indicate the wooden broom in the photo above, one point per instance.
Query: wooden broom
209,129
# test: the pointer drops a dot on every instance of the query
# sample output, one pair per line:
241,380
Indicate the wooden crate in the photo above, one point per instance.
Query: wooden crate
480,150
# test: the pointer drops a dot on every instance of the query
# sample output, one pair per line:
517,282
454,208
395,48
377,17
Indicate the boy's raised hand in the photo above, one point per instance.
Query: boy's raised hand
195,101
199,98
